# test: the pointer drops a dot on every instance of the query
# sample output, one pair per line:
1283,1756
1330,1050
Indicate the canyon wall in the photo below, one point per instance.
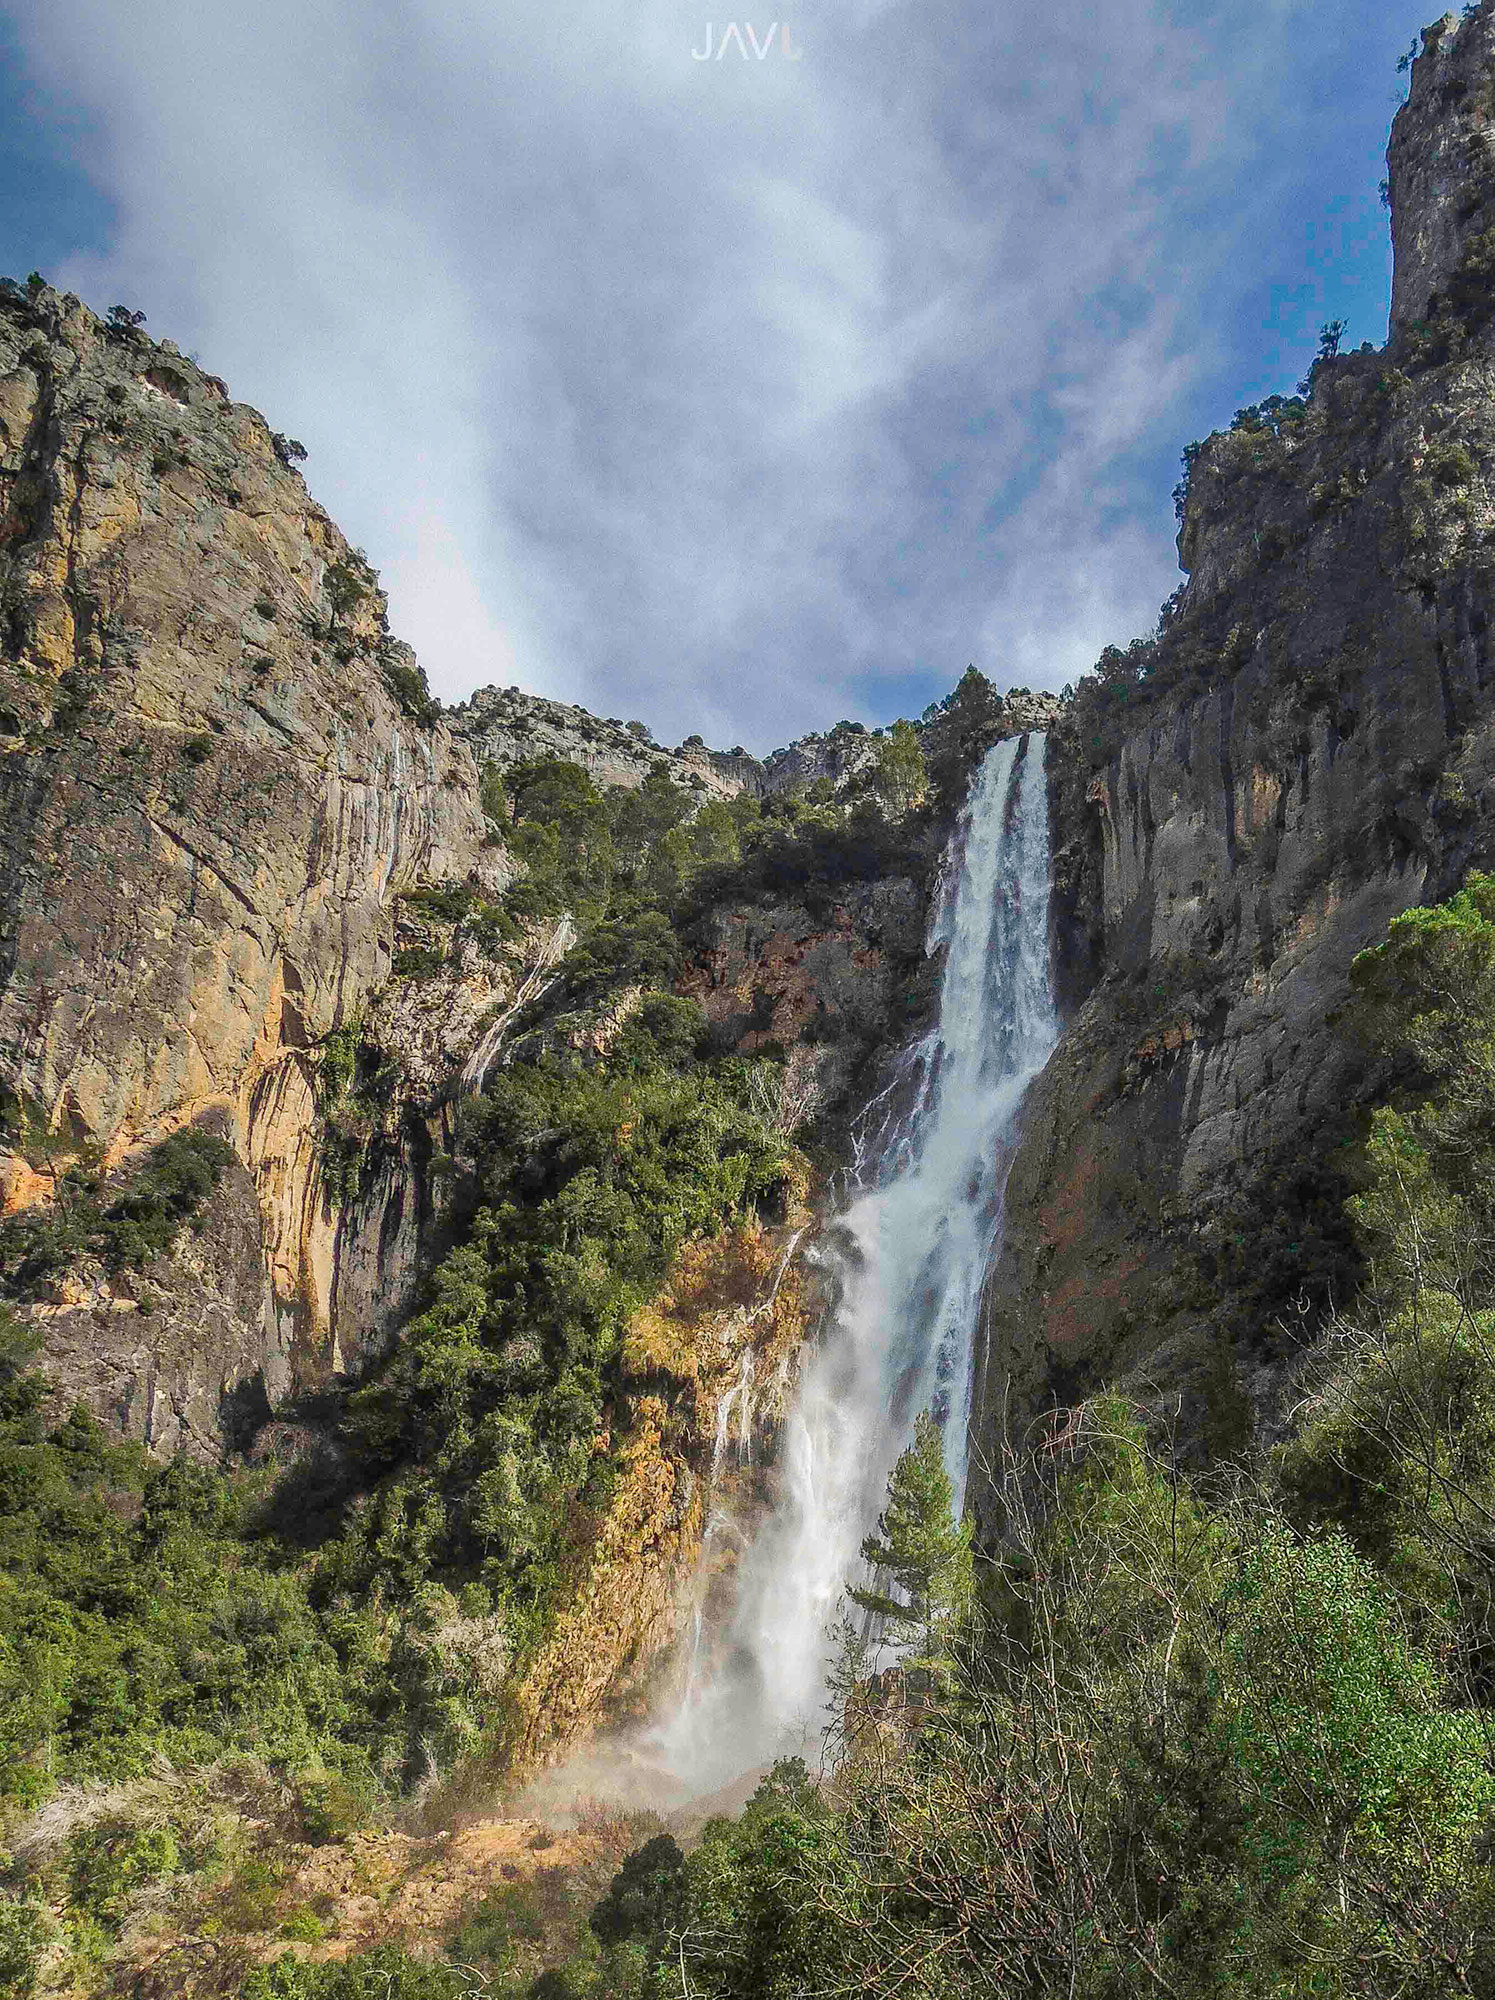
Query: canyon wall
216,771
1305,750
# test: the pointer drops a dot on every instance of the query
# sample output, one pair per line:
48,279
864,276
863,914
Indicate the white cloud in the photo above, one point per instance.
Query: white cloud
704,391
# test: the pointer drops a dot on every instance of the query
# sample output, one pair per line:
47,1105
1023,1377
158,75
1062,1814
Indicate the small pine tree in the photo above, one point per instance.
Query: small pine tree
922,1551
494,796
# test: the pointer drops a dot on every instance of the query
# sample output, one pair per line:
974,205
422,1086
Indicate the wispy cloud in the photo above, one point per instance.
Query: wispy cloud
735,394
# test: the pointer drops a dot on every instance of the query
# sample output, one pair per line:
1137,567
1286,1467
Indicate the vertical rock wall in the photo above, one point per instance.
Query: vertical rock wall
216,772
1306,750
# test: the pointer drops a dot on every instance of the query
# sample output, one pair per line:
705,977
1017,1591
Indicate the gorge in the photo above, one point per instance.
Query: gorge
488,1197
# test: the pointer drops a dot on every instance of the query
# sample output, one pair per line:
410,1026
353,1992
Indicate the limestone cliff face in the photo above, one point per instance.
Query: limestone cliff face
505,726
1442,160
214,776
711,1366
1306,750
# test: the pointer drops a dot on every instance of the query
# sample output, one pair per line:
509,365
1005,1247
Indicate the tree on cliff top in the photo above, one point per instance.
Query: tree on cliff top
901,777
958,734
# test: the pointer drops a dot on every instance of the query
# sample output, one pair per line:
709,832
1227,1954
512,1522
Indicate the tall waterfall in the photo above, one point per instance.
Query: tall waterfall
909,1256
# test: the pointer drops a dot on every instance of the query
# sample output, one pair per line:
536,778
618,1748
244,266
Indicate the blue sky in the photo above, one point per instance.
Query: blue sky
737,395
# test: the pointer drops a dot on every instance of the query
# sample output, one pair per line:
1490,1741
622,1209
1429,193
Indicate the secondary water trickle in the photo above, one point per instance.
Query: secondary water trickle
912,1249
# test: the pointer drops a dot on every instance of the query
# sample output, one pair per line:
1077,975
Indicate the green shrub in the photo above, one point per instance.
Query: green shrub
177,1180
901,775
110,1860
644,1894
164,1195
493,795
331,1807
418,961
450,902
385,1973
24,1929
509,1913
406,680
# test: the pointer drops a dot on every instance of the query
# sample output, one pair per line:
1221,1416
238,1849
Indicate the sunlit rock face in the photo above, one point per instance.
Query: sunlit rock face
215,775
504,726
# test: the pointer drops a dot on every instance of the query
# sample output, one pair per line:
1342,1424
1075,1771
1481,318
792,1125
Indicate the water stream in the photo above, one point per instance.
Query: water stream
908,1259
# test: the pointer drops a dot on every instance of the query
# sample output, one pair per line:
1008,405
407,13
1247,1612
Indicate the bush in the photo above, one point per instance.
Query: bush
168,1192
448,901
385,1973
644,1894
179,1177
493,795
110,1860
490,1929
418,961
24,1930
331,1807
405,679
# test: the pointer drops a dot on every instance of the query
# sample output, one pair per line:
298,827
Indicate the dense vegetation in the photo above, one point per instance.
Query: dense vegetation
1154,1739
179,1611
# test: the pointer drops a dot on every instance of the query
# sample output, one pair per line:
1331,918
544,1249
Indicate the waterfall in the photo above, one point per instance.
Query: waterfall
909,1258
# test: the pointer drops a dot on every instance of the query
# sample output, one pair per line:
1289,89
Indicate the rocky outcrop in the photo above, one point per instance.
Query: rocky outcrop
782,973
1307,749
711,1365
1442,159
504,726
216,770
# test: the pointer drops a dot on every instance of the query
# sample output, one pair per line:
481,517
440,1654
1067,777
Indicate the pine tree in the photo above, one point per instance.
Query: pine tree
921,1552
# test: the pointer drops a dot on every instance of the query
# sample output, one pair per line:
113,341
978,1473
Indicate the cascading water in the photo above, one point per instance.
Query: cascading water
915,1245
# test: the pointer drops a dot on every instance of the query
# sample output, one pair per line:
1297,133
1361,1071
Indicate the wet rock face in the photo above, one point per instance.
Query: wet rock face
214,777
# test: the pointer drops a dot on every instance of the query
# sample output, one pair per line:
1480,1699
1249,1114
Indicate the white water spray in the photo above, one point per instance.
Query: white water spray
914,1249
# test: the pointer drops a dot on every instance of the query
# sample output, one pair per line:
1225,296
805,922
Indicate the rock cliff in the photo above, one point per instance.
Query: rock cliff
1305,749
504,726
216,771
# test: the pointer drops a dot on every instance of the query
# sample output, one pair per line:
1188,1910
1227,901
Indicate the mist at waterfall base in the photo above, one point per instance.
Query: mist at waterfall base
907,1260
